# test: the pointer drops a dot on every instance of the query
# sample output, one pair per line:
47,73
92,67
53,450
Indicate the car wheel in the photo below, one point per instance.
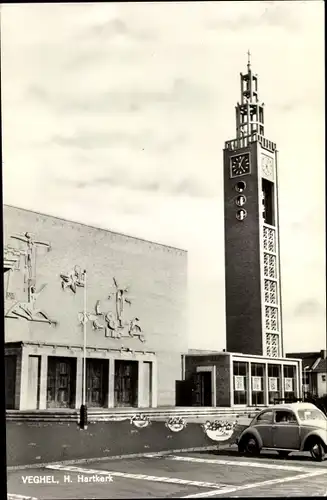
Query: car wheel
317,450
283,453
250,446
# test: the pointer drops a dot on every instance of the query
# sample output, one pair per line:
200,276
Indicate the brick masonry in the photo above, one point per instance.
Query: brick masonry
156,276
222,364
242,261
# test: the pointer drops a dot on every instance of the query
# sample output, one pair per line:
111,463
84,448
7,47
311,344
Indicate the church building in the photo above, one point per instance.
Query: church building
76,294
128,296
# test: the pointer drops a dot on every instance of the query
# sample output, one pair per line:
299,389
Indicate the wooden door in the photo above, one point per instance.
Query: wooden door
61,382
126,383
184,392
196,389
34,364
10,380
97,382
206,389
201,391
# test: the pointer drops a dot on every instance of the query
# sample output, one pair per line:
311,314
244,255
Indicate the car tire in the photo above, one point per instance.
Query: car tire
317,451
249,446
283,453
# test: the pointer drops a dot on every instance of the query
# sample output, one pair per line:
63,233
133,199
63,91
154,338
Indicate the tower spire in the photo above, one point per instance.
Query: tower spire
249,113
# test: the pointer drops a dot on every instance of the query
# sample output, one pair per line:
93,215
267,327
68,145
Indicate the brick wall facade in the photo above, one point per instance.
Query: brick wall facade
222,364
155,274
242,261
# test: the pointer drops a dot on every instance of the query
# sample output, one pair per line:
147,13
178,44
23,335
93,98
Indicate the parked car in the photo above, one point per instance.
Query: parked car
286,428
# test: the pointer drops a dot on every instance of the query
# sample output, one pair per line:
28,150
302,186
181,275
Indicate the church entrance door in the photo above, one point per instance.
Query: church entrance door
61,382
97,382
126,383
202,389
10,381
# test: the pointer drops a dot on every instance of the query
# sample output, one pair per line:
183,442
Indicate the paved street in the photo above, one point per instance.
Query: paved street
183,475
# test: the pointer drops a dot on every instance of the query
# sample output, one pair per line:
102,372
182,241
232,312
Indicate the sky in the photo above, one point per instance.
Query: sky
115,115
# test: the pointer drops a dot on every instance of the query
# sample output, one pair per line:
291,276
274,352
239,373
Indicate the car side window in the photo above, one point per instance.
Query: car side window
265,417
285,417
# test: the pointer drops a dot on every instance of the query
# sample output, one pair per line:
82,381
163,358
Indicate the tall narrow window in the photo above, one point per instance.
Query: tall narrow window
268,202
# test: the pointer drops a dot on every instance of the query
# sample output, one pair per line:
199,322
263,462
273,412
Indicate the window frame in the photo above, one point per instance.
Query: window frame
295,421
260,421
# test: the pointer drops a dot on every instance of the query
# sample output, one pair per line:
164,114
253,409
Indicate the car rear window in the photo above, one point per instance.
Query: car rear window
311,414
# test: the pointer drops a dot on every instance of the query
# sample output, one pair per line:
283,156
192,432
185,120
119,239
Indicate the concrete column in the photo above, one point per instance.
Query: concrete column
154,384
266,386
140,385
79,381
249,398
299,379
231,381
282,381
43,382
214,386
111,383
23,400
297,382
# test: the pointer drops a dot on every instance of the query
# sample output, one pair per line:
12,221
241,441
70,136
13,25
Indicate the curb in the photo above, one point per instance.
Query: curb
119,457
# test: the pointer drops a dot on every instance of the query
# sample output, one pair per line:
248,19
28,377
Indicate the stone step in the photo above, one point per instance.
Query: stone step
100,415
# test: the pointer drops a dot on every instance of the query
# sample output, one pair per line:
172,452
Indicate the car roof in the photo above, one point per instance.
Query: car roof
292,406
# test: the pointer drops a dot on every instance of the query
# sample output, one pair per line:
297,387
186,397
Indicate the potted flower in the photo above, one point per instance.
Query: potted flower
140,420
176,424
219,430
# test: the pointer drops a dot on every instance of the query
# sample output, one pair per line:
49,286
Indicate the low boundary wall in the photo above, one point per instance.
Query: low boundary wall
40,441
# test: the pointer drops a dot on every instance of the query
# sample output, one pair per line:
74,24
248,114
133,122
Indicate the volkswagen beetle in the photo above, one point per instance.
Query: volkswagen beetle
286,428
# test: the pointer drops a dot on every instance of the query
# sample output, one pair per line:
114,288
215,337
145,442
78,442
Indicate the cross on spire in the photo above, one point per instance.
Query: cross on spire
249,58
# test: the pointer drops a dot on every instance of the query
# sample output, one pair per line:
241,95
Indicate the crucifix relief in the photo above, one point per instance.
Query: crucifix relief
30,258
28,309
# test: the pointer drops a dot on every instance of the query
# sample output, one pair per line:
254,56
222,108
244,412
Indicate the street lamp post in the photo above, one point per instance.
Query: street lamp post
83,409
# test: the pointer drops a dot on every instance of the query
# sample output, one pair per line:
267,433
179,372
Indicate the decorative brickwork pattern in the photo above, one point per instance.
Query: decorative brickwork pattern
270,292
272,343
269,239
270,265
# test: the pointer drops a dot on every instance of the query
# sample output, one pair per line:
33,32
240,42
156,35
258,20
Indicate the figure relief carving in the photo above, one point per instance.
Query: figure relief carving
75,278
113,323
28,309
120,298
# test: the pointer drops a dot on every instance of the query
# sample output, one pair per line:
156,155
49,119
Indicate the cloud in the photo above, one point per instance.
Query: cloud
37,93
309,307
179,92
116,27
145,140
257,15
151,182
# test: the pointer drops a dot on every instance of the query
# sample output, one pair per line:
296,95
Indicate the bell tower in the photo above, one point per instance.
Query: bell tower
252,266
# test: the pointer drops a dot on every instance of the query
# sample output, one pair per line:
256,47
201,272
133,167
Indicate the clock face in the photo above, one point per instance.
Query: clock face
267,167
240,165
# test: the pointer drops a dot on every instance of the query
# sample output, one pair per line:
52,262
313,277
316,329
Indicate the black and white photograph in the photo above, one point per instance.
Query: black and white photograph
164,278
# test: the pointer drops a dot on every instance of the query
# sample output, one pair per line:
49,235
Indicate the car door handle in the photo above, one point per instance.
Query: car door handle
274,427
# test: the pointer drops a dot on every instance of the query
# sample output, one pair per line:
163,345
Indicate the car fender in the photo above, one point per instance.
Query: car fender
316,433
251,431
